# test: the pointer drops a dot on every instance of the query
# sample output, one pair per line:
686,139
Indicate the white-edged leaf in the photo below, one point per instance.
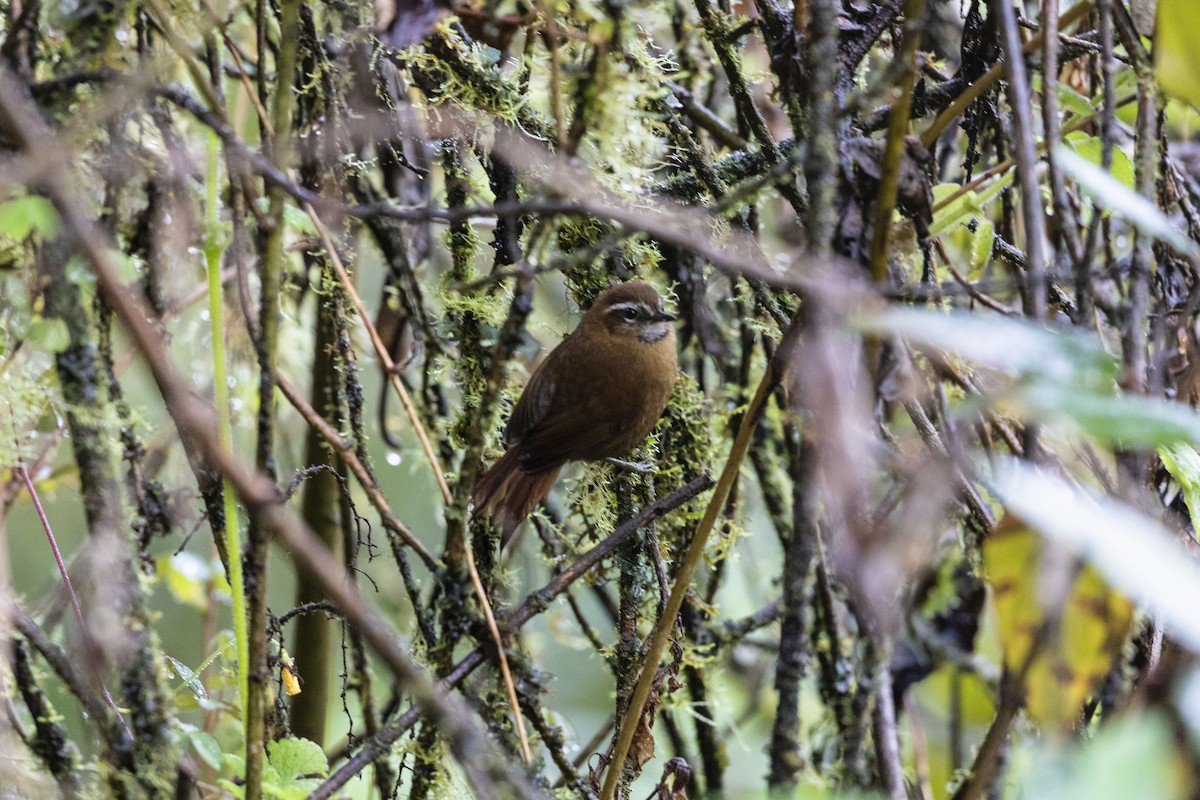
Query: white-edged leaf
1015,346
1136,554
1110,194
1130,421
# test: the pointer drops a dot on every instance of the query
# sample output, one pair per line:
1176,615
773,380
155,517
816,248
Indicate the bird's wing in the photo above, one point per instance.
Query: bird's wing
535,401
557,421
561,438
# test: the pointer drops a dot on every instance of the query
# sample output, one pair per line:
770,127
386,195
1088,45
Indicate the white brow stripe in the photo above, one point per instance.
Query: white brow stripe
630,304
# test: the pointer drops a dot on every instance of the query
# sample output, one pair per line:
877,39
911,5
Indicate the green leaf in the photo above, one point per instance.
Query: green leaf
1073,101
1132,755
189,677
207,747
1061,376
51,335
966,205
1183,462
293,758
963,226
22,216
1176,57
1135,554
291,790
294,218
956,211
1110,194
1091,148
981,247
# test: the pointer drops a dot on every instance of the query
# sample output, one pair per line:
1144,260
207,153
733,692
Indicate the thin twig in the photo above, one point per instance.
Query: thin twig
1062,224
887,741
85,634
196,421
349,454
381,351
63,665
1020,103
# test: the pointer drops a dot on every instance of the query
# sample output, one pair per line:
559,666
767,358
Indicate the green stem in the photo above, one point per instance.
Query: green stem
213,249
270,287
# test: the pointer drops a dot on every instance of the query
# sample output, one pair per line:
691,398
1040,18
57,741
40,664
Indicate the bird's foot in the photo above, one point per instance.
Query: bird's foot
644,467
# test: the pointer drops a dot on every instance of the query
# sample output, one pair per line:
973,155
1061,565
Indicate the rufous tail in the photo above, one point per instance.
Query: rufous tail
508,494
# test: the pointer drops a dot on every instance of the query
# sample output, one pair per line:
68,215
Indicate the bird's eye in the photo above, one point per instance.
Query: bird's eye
629,314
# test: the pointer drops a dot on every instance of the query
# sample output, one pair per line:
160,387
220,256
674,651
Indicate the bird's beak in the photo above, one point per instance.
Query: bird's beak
665,316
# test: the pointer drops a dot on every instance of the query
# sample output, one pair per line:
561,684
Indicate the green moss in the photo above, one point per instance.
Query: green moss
688,445
594,500
25,397
488,309
470,76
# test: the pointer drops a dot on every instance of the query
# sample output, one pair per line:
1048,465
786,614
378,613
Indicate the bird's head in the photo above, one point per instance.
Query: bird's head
630,312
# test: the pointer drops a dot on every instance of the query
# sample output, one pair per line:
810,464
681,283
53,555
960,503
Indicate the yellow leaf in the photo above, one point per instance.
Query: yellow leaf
1091,625
291,681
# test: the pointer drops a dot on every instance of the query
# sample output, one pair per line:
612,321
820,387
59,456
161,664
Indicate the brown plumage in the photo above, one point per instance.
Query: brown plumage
597,395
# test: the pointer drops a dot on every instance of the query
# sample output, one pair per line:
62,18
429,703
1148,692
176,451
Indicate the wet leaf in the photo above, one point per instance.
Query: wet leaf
189,677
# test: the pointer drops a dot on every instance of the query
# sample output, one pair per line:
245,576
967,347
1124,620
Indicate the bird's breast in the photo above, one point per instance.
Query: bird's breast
629,395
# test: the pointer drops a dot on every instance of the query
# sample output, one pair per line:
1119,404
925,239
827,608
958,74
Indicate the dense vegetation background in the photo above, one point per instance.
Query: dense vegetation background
919,522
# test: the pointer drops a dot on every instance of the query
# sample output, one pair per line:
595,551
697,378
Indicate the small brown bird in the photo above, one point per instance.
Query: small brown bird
597,395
